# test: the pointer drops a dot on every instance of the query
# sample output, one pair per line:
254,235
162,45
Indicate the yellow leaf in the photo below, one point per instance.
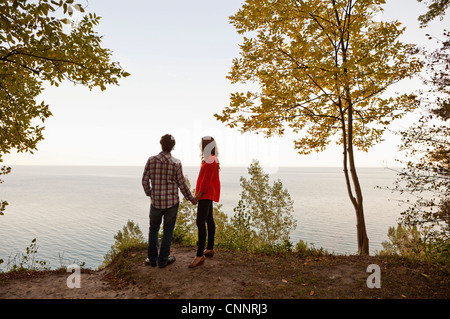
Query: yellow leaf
311,293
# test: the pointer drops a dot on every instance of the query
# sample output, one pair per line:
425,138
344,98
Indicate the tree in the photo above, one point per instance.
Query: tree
436,8
264,212
322,67
35,48
424,228
427,145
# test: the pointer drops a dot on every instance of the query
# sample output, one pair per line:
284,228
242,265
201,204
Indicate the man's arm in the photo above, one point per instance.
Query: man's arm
182,184
146,179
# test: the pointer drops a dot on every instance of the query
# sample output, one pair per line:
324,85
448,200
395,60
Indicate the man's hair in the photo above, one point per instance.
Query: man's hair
167,142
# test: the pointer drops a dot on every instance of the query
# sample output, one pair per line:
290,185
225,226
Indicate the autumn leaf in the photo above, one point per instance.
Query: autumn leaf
320,69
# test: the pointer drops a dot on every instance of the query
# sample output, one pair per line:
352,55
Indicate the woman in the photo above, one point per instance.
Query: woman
207,191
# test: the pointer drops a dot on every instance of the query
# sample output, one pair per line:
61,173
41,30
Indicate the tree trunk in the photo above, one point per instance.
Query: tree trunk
363,240
353,184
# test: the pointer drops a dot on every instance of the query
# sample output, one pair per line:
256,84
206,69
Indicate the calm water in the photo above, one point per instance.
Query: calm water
74,212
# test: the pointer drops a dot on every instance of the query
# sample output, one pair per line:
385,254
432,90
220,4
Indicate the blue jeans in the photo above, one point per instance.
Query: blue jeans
156,217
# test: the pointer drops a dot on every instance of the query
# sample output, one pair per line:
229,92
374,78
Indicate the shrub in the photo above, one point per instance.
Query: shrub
263,219
409,242
264,212
130,237
185,231
302,249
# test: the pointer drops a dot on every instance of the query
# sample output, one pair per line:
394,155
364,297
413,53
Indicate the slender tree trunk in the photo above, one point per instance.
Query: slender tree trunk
348,158
363,240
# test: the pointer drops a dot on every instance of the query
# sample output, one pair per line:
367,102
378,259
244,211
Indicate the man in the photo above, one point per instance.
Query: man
165,174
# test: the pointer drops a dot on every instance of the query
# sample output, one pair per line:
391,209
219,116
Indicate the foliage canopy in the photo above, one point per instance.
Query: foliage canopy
320,68
316,63
39,43
264,212
427,146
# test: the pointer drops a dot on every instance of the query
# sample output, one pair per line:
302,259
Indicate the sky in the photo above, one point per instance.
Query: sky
179,54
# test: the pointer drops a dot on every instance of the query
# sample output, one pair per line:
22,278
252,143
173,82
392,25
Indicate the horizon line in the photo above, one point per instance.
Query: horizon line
228,166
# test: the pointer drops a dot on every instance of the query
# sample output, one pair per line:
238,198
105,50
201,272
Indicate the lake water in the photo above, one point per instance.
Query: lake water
74,212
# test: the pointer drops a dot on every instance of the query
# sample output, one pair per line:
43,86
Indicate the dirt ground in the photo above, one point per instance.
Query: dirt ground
230,275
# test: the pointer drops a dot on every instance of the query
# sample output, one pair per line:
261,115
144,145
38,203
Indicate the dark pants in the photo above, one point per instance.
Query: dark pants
156,217
205,217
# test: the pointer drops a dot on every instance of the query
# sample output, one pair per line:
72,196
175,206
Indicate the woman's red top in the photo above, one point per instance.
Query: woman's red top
208,181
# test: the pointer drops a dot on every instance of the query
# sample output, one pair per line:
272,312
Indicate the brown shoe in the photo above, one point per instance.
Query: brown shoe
197,262
208,252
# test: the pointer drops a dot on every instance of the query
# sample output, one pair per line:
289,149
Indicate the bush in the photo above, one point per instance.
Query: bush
407,241
185,231
263,218
239,235
264,212
302,249
130,237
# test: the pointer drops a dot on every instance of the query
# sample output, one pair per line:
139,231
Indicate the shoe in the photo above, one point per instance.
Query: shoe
208,252
151,263
197,262
171,260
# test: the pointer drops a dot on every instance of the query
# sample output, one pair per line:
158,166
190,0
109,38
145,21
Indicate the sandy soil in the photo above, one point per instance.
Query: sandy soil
230,275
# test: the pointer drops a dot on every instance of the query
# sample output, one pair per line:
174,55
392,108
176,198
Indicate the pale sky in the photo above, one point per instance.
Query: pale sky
178,53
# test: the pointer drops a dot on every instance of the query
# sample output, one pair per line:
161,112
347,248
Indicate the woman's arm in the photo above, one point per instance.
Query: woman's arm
197,198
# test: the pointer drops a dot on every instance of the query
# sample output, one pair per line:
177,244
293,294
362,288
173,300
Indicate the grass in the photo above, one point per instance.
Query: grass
27,261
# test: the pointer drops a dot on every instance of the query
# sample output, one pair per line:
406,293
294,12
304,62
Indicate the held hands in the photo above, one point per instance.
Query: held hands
196,198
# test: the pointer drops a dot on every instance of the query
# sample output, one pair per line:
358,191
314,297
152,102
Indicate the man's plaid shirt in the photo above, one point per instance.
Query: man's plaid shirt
162,177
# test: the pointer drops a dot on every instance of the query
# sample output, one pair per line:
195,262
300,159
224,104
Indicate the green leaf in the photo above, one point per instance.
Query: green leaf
47,54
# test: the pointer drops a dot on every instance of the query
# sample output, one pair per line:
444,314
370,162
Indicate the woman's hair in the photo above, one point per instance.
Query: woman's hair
208,147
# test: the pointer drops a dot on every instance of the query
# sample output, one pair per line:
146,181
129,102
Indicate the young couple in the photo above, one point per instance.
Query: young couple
163,176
